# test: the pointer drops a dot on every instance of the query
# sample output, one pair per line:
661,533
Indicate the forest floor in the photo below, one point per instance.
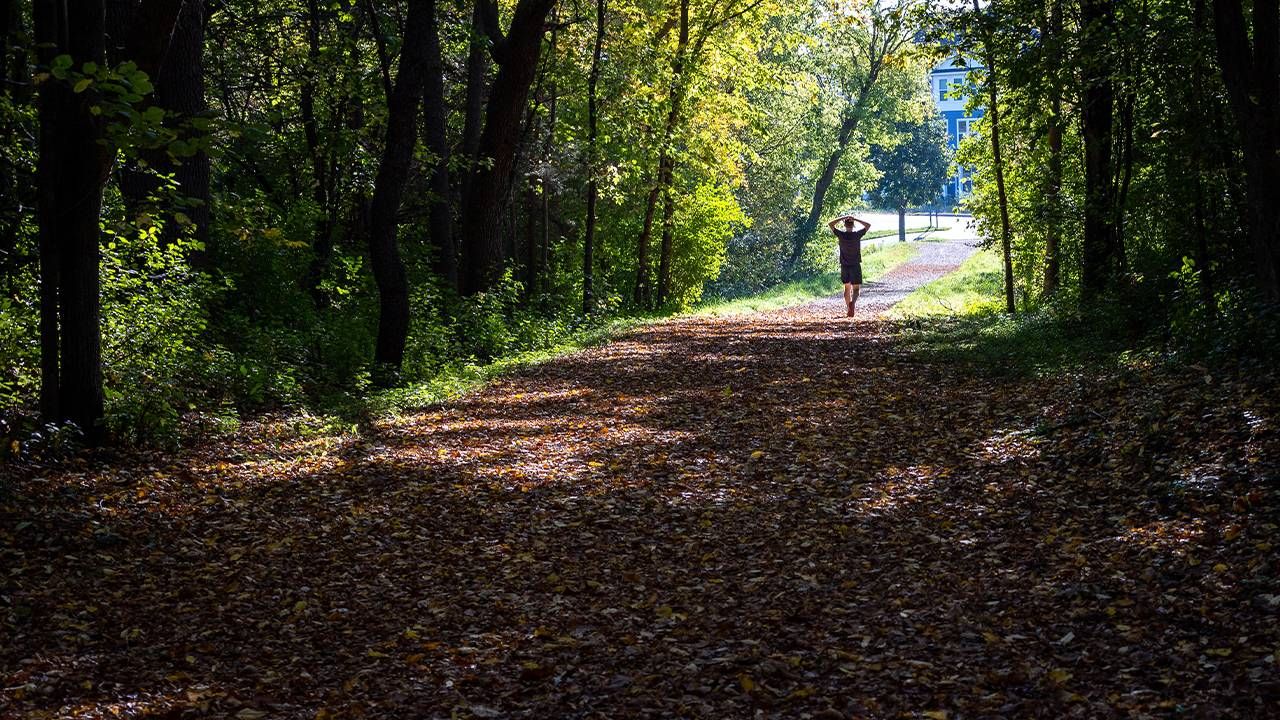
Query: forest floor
769,515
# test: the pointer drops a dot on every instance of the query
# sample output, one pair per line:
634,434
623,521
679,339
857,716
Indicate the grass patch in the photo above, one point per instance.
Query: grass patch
960,318
975,287
876,261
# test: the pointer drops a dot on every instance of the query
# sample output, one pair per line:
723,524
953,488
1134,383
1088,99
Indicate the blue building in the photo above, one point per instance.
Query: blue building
951,92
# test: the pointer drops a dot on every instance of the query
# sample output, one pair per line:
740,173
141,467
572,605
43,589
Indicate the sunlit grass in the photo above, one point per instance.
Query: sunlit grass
960,317
974,288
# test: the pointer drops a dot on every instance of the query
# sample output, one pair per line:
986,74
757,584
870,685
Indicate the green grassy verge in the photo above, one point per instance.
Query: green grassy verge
960,318
876,261
973,288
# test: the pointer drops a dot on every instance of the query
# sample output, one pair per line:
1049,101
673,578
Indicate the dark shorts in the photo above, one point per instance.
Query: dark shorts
851,273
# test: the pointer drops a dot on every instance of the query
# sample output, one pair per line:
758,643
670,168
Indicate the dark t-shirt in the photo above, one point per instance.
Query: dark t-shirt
850,246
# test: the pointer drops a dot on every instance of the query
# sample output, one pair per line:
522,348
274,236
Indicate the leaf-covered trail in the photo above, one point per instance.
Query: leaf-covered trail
773,515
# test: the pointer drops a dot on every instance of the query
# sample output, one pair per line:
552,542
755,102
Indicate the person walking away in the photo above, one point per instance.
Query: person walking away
850,257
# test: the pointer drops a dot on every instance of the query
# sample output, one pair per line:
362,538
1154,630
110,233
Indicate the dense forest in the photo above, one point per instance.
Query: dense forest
213,207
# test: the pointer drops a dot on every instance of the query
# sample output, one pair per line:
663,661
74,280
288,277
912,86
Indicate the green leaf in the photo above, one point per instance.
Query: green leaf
82,85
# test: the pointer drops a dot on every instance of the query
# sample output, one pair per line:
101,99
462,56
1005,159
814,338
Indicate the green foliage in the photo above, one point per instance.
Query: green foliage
914,169
153,323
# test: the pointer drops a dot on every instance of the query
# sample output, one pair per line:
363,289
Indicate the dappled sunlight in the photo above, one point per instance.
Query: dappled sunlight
1006,445
754,498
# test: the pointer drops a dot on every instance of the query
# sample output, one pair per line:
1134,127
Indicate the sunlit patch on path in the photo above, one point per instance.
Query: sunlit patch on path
773,515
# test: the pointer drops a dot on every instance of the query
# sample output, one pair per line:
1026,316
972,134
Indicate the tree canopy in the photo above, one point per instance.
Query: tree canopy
223,207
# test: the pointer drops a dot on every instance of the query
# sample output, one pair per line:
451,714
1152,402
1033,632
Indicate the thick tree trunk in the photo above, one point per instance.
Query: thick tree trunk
1098,252
482,247
593,190
477,74
393,173
72,167
177,69
1053,198
1252,78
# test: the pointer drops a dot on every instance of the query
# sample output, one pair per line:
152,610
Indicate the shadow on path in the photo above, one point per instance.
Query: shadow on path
760,516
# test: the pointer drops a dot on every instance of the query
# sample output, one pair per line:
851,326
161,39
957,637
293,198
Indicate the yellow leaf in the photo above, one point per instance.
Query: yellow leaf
1059,676
936,714
748,685
376,654
1220,567
757,455
1218,652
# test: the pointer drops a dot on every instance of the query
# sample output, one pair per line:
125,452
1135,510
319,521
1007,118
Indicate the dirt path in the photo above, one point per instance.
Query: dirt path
933,260
782,515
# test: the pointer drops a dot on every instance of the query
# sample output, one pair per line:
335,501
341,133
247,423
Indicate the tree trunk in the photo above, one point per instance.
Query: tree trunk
666,162
482,247
322,243
1098,252
1204,271
593,190
435,112
177,70
1053,189
902,223
807,227
1252,78
477,73
668,229
642,292
393,173
532,255
1002,198
72,167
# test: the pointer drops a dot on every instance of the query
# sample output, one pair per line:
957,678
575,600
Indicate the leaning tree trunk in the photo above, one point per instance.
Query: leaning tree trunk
805,230
483,253
393,173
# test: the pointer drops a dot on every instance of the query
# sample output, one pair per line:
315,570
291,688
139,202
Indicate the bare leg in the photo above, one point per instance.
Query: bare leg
851,296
